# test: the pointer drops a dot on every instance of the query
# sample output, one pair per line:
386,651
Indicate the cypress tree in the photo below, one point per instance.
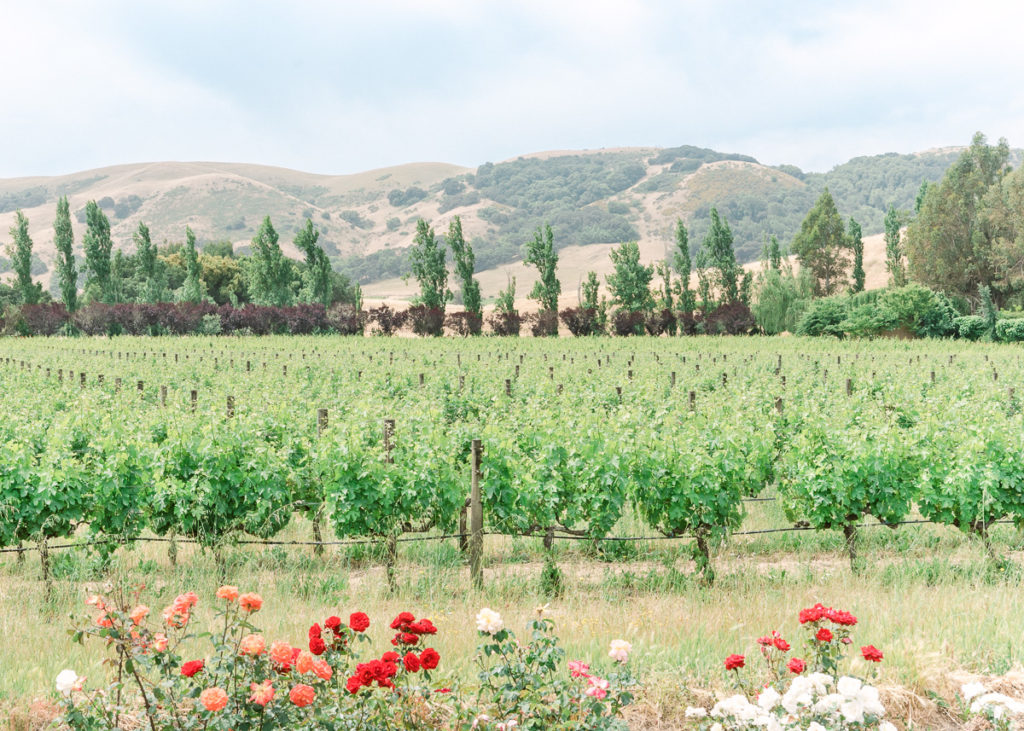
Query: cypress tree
857,244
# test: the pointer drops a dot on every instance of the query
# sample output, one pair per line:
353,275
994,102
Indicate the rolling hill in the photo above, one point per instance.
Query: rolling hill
593,200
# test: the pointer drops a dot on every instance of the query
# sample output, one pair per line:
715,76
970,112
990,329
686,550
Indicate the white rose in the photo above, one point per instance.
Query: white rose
970,690
620,650
66,681
692,712
489,621
768,699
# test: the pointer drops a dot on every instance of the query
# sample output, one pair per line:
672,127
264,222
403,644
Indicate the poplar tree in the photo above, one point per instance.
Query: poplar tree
317,286
64,240
97,246
152,277
721,257
894,259
630,282
465,263
682,264
857,244
269,273
20,252
775,253
821,245
192,288
541,253
428,266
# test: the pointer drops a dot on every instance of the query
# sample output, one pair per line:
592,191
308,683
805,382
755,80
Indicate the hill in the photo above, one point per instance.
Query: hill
593,200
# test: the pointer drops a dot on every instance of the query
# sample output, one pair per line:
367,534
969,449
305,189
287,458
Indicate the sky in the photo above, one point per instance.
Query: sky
341,87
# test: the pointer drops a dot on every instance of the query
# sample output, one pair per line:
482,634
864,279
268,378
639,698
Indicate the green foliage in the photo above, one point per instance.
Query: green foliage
988,312
721,258
970,327
506,301
270,275
63,240
465,262
97,246
824,316
894,258
775,252
427,257
856,240
1010,331
779,300
406,198
821,245
540,252
152,285
192,288
919,310
630,282
20,251
316,279
682,265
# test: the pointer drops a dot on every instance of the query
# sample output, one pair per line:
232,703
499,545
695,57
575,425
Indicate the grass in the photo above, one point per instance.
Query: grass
928,596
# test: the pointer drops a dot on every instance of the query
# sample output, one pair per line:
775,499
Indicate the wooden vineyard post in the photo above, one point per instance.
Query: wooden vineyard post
231,406
391,547
673,379
849,385
321,427
693,400
117,385
778,404
476,520
139,386
163,395
508,386
194,397
81,380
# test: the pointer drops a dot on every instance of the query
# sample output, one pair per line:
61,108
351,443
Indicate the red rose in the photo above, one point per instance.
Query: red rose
404,619
840,617
411,662
871,653
765,641
781,644
824,635
846,641
358,622
796,665
734,662
423,627
812,614
430,658
354,684
317,646
390,656
194,666
314,631
443,690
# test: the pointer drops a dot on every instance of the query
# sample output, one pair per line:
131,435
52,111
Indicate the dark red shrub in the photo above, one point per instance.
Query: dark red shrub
305,319
45,319
346,319
732,319
506,323
544,323
464,323
581,321
660,321
388,321
426,320
626,323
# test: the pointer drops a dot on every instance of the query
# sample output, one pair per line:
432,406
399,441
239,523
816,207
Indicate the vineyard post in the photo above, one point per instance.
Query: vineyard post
230,406
163,395
321,427
476,519
849,385
673,380
117,385
139,386
508,386
81,379
693,399
391,546
44,567
99,379
194,396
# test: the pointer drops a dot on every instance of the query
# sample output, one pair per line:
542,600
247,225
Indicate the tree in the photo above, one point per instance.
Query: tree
120,278
152,286
192,288
988,312
465,262
427,256
722,258
821,245
20,253
270,274
681,262
97,246
921,193
64,240
704,280
505,303
588,300
948,247
316,280
774,254
894,263
746,287
630,283
541,253
856,239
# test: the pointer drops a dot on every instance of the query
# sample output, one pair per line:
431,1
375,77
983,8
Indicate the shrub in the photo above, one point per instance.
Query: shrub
660,321
582,321
926,313
970,327
732,319
209,325
625,322
506,323
544,323
1010,331
426,320
388,320
305,319
823,317
345,319
465,323
45,319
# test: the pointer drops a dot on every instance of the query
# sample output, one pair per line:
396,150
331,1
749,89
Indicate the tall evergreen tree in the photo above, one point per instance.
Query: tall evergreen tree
20,253
269,272
821,245
64,240
152,279
588,300
120,278
705,278
894,259
541,253
192,288
428,266
630,282
317,286
465,263
856,239
921,193
97,246
722,258
682,264
774,253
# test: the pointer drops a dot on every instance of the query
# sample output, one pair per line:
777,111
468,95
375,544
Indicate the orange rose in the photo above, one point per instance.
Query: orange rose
251,602
302,695
228,593
304,663
281,653
262,693
252,645
213,699
322,669
102,620
159,642
139,613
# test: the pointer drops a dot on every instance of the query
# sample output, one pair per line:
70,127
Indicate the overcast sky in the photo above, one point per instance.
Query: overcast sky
338,87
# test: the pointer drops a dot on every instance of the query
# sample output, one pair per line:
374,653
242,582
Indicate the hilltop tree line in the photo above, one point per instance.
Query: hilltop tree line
959,250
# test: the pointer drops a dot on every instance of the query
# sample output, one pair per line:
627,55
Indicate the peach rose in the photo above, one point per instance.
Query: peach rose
302,695
228,593
250,602
252,645
213,699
